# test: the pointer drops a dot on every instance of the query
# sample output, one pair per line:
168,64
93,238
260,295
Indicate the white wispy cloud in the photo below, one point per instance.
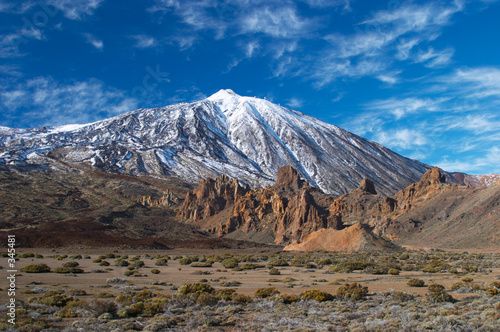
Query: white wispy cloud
10,43
144,41
432,58
76,9
402,138
97,43
387,36
345,4
16,7
283,22
251,48
465,104
402,107
10,70
490,157
295,102
50,102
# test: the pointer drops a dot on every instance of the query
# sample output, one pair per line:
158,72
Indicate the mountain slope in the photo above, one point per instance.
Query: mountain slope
243,137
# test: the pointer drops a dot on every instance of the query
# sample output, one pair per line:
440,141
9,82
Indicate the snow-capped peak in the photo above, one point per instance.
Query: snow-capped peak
224,94
244,137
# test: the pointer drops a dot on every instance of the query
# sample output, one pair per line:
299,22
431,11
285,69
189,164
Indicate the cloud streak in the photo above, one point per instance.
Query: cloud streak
50,102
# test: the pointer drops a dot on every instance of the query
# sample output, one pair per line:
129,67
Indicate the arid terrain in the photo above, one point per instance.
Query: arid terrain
255,289
106,252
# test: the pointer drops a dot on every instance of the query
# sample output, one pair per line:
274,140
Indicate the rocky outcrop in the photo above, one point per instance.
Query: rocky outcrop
210,197
289,179
301,218
294,214
432,183
167,200
285,212
353,238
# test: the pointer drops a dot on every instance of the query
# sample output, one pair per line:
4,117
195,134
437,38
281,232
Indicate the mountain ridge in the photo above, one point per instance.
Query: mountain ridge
244,137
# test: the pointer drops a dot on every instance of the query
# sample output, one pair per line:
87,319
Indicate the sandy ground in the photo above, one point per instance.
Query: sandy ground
175,275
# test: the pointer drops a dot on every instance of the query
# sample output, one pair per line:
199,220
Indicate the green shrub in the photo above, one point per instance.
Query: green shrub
225,294
492,292
277,261
132,310
266,292
457,285
63,269
288,299
198,287
104,263
229,263
352,291
185,261
393,272
121,262
52,298
36,268
241,299
206,299
347,267
138,264
161,262
99,307
416,282
317,295
437,293
155,271
248,266
201,264
274,271
495,284
404,256
71,264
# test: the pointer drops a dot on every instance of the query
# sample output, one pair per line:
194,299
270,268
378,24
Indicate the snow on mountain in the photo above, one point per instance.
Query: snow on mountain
243,137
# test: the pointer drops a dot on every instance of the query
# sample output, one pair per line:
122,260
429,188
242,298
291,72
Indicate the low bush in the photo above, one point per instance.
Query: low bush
52,298
201,264
121,262
317,295
63,269
99,307
352,291
229,263
185,261
288,299
437,293
71,264
416,282
274,271
155,271
36,268
161,262
266,292
195,288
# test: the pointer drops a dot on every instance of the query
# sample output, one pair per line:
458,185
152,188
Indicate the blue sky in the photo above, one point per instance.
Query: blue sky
420,77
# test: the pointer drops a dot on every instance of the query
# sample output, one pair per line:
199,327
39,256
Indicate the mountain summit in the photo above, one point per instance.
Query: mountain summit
244,137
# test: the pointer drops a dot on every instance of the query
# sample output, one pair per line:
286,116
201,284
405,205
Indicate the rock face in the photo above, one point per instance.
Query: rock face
354,238
285,212
210,197
295,214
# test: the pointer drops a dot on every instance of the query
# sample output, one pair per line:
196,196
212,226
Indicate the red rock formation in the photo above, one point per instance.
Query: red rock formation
289,179
210,197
